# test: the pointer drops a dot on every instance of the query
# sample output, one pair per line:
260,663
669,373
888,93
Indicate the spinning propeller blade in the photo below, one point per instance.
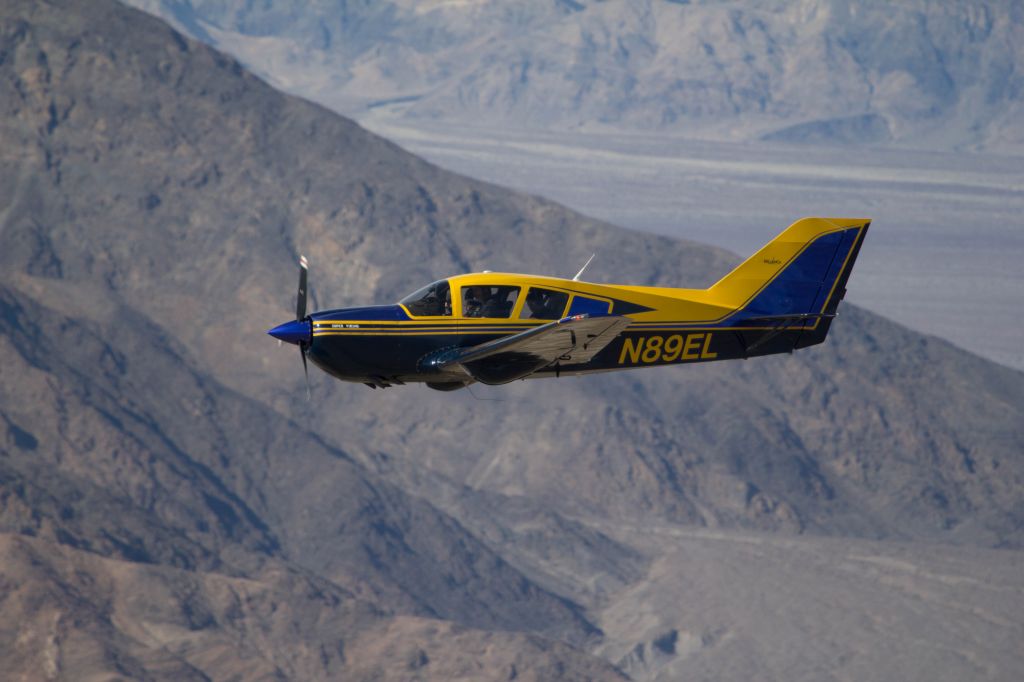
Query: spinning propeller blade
300,300
300,313
305,370
300,330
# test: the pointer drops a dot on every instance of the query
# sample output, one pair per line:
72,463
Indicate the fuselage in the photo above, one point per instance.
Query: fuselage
388,344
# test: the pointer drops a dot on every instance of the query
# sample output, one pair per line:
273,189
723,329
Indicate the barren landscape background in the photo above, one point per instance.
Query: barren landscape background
173,508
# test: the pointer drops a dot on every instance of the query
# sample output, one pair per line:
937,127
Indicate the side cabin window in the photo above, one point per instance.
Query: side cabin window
544,304
488,301
432,300
590,306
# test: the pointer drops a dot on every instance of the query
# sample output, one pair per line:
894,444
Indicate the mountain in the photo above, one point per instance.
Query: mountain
71,614
171,505
188,204
937,75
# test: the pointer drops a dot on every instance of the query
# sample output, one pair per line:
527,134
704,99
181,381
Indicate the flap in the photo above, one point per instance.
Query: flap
571,340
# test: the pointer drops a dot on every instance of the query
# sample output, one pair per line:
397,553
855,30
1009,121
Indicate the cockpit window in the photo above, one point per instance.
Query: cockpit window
544,304
433,299
488,301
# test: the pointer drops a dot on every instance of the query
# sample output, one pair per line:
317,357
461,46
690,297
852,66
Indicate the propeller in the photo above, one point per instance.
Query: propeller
305,370
300,314
300,330
300,300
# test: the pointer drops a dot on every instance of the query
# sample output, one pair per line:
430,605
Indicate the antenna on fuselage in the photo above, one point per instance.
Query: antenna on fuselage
577,277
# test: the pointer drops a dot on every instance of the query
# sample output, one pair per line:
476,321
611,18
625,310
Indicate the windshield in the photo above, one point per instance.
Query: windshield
433,299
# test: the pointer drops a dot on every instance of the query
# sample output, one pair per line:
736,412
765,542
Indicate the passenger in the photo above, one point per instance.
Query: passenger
544,304
497,304
536,301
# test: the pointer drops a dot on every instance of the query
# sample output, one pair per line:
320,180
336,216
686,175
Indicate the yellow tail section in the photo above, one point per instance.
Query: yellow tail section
800,273
803,254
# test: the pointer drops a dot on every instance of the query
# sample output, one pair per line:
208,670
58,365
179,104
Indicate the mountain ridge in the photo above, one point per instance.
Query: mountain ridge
156,196
833,71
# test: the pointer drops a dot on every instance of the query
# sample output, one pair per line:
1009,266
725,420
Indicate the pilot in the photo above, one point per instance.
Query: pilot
473,302
438,301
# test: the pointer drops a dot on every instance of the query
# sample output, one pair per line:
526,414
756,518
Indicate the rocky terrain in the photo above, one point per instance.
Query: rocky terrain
171,505
924,74
71,614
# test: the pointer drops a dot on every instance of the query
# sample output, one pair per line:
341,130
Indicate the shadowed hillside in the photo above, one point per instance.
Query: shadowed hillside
153,199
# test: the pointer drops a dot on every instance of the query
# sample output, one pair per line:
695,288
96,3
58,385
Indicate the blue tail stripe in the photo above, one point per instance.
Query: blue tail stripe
803,286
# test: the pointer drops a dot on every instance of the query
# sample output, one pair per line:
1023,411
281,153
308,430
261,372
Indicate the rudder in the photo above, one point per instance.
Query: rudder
797,279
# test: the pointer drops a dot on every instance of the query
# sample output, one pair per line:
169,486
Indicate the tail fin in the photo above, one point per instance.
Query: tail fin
797,279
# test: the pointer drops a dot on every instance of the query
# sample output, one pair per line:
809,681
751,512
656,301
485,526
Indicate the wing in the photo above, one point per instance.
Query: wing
572,340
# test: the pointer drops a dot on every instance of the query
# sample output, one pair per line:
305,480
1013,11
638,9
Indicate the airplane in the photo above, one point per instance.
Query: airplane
494,328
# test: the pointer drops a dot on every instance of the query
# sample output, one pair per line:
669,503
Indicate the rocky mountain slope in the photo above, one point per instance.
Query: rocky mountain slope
836,71
188,205
71,614
153,199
